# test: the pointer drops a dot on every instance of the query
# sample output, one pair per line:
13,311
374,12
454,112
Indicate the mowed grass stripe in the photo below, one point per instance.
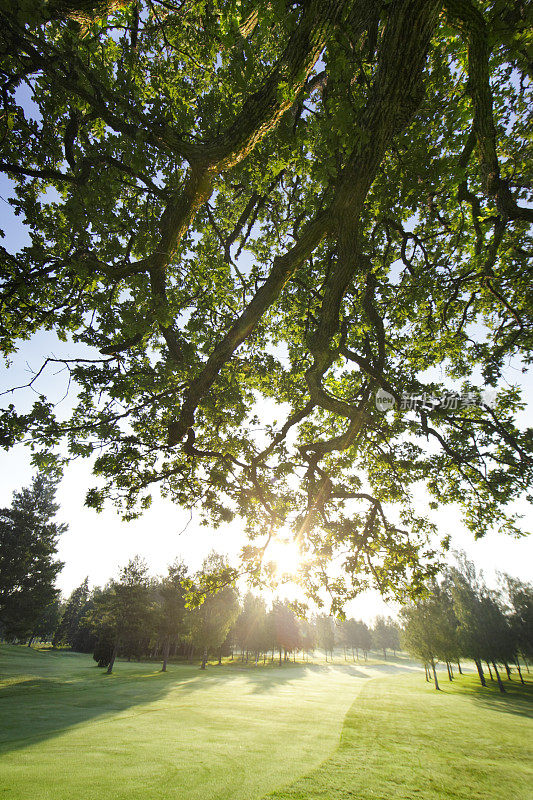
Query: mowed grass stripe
67,730
403,740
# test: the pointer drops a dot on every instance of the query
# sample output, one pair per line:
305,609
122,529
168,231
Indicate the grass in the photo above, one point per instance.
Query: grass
403,740
70,731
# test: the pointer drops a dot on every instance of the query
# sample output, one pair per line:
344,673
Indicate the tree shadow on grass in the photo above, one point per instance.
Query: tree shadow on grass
35,707
517,699
267,679
396,669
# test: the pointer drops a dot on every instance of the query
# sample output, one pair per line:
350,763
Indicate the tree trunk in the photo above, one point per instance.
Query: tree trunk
459,668
500,684
166,648
113,657
450,676
519,670
30,640
480,672
280,656
204,659
490,671
220,656
437,687
508,671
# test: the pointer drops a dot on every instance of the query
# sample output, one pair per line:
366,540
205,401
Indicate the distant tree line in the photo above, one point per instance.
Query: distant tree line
135,617
201,615
460,618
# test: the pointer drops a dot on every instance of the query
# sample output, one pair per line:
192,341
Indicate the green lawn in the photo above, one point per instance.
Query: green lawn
403,740
69,731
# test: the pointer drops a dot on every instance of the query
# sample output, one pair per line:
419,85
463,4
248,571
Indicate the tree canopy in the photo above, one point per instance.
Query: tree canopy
233,202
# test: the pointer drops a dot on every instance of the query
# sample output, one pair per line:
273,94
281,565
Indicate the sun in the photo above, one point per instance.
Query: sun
285,555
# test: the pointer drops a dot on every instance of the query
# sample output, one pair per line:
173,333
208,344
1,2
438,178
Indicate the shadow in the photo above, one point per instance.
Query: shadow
517,699
261,679
44,693
397,669
267,678
37,708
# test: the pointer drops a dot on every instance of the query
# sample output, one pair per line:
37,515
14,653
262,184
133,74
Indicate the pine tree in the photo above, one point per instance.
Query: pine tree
28,567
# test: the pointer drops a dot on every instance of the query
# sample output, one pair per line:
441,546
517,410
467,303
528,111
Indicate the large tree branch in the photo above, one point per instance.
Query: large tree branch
282,270
396,89
471,23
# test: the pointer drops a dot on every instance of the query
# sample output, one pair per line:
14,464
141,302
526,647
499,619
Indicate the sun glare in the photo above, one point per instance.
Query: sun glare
285,555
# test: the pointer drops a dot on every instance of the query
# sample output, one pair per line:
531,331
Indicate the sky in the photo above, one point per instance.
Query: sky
97,545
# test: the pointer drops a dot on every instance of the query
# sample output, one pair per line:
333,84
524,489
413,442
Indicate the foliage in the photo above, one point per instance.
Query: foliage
122,613
298,203
211,621
74,610
462,618
385,635
28,567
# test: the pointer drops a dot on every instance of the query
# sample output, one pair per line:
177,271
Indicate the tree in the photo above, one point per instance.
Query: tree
306,201
172,600
287,628
325,633
500,642
73,612
250,625
341,635
422,632
47,623
485,634
365,638
466,590
211,621
308,636
28,567
385,635
520,596
122,613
